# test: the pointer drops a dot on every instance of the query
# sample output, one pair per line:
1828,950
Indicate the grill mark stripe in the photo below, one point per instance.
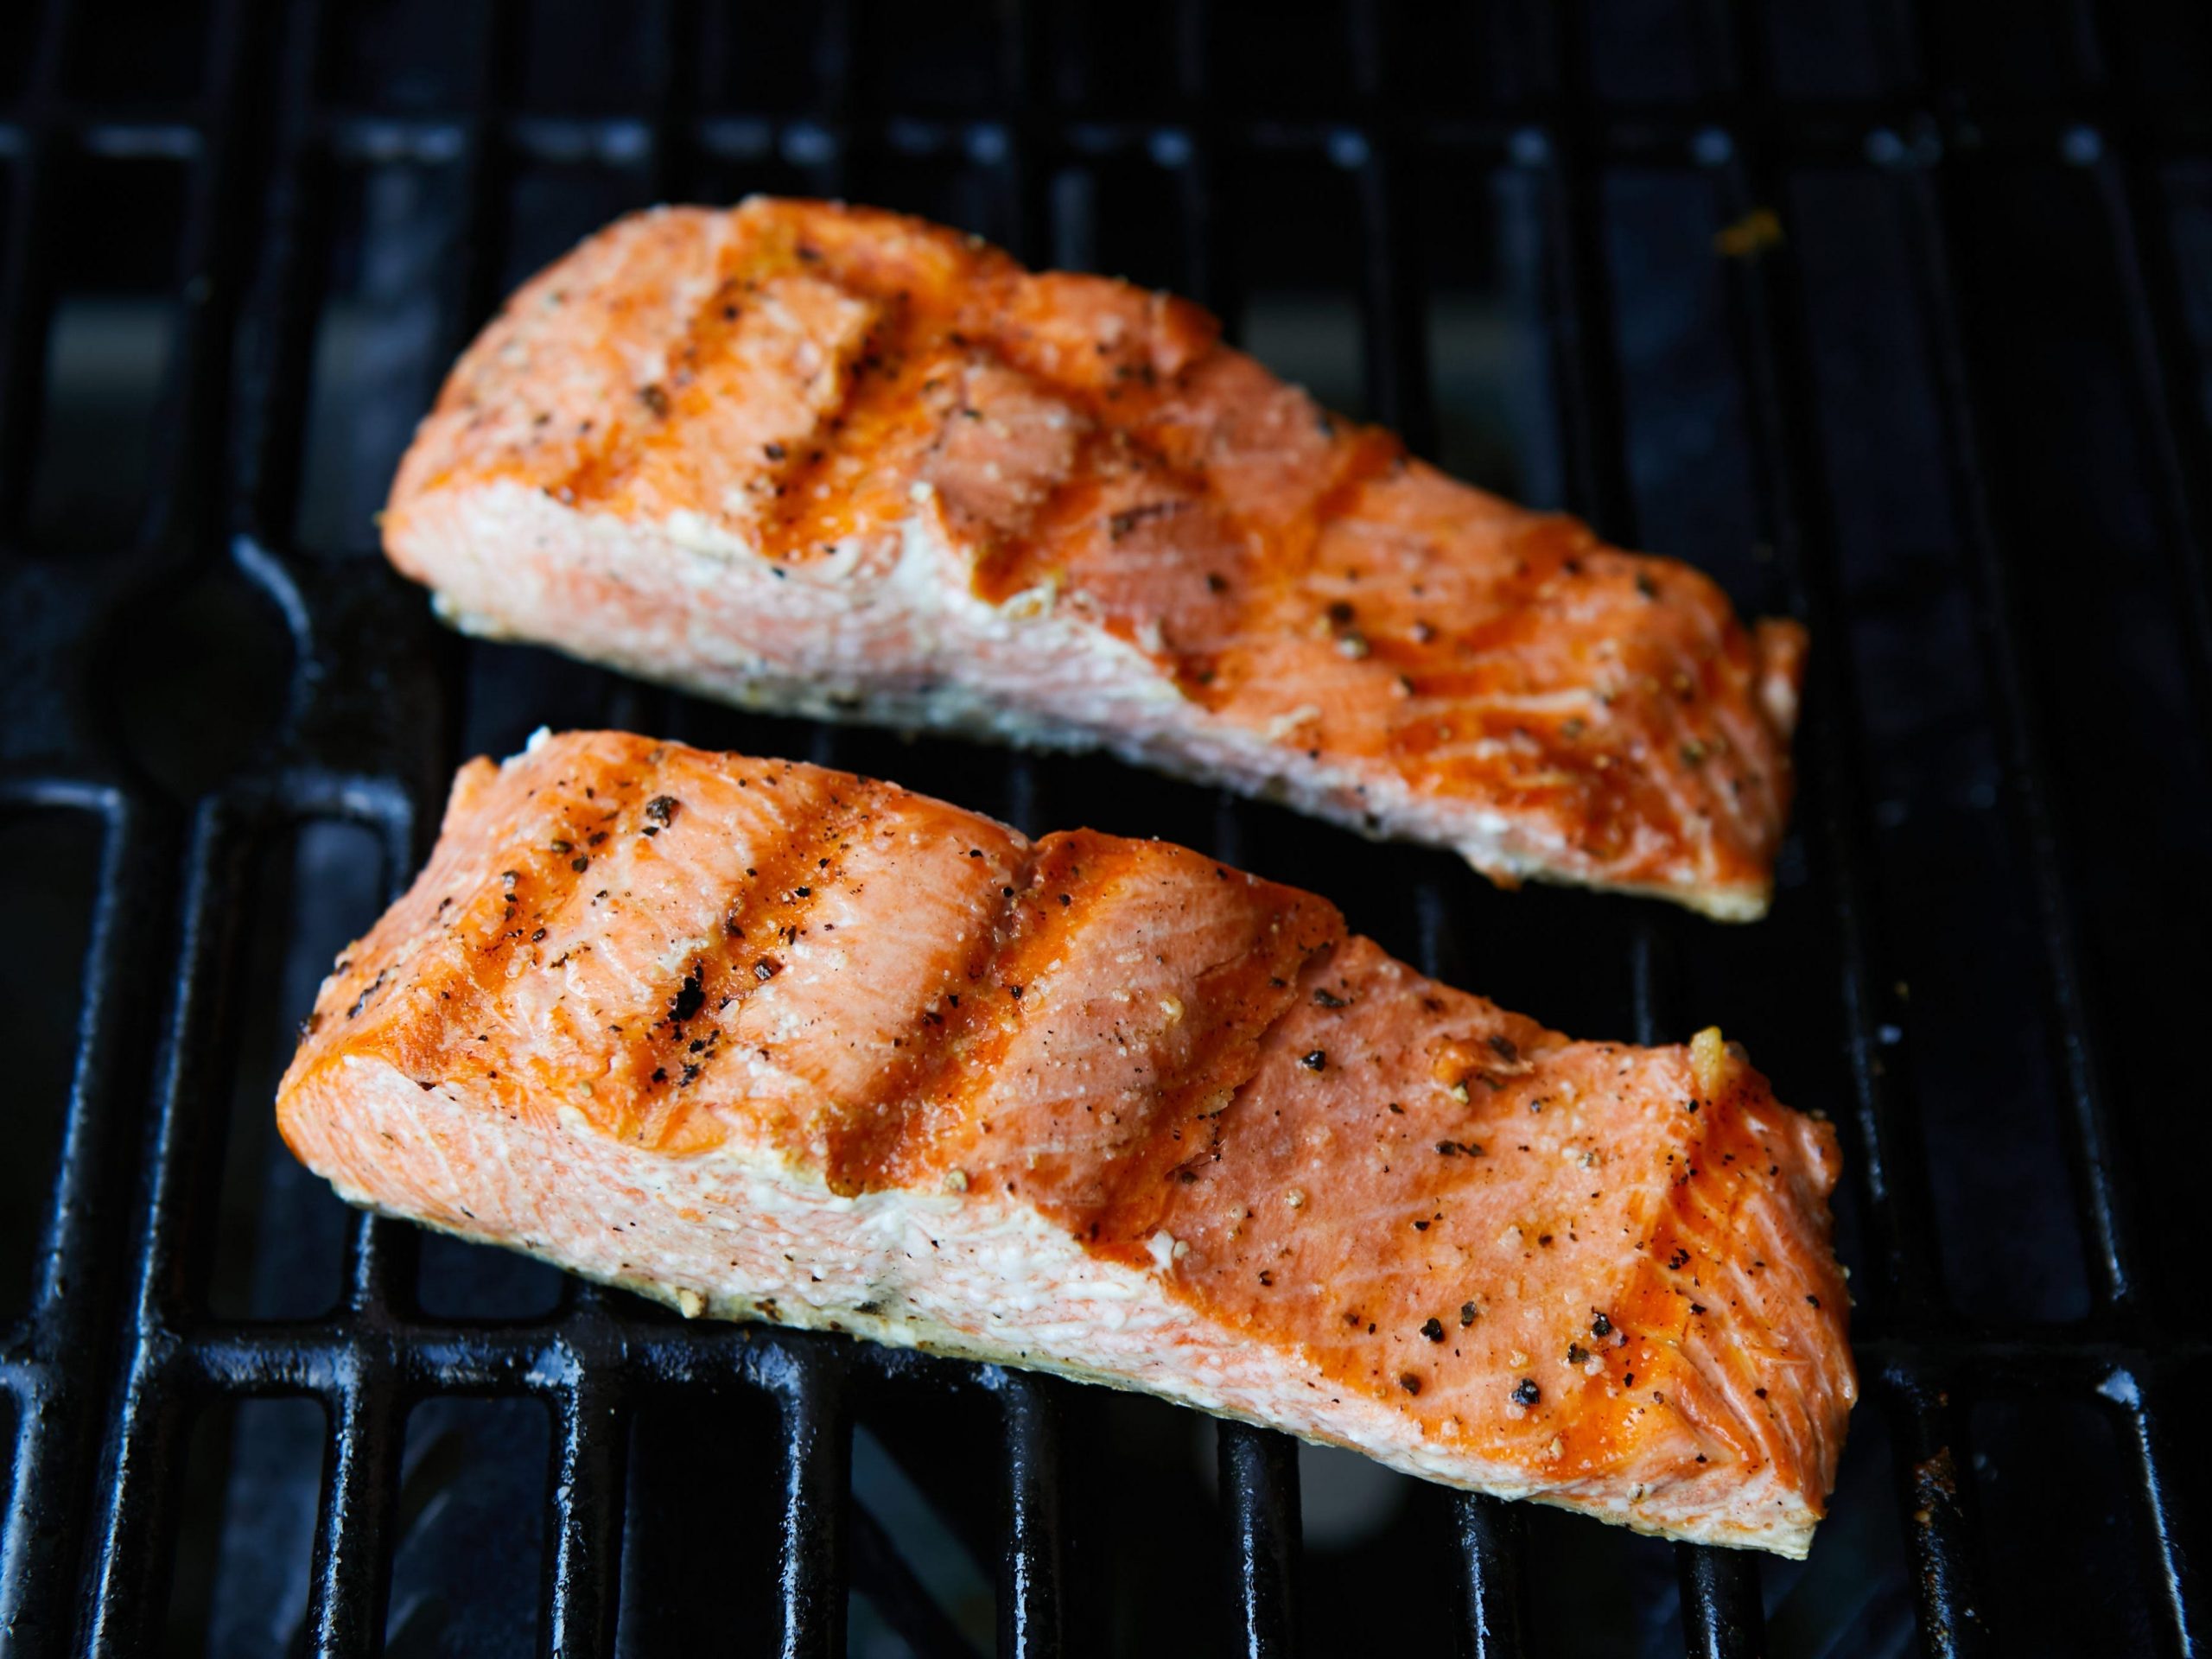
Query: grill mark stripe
746,264
945,1063
864,436
916,337
767,902
1110,1191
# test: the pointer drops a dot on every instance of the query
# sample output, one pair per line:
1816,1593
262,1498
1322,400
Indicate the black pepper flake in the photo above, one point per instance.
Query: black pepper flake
773,451
1466,1314
1065,901
660,1074
1433,1329
1760,1392
1814,1301
655,399
767,969
536,935
1577,1354
1459,1149
1645,586
1315,1060
663,809
802,892
1697,1308
1601,1326
1327,1000
689,999
1420,1226
580,862
1267,1279
1409,1382
1678,1260
1503,1047
1526,1392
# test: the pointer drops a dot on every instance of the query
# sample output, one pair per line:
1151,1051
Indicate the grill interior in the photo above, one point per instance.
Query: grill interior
1955,416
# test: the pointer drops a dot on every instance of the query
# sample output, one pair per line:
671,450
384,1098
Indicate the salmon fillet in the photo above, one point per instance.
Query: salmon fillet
766,1041
830,461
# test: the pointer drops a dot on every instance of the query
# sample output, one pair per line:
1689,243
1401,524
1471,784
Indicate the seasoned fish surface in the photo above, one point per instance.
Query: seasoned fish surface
815,458
767,1041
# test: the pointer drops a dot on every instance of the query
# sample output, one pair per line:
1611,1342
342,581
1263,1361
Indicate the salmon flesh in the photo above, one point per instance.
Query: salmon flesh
765,1041
823,460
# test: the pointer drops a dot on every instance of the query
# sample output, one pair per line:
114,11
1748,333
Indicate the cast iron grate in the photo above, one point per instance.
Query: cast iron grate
1954,414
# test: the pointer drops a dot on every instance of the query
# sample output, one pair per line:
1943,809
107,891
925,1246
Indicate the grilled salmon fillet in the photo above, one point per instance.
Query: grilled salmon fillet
825,459
767,1041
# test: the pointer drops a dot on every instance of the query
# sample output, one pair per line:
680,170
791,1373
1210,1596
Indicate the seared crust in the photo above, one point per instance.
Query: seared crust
763,1040
806,456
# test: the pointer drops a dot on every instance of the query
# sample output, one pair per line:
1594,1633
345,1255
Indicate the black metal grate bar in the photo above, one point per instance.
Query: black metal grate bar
361,1479
136,1529
583,1566
817,1441
1032,1601
49,1365
1492,1547
380,698
1722,1615
1259,1474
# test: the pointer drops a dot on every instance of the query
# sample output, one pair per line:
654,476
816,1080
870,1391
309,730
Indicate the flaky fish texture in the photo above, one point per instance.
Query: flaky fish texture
822,459
766,1041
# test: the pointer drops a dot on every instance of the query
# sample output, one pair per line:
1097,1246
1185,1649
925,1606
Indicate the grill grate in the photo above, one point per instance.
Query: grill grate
2005,575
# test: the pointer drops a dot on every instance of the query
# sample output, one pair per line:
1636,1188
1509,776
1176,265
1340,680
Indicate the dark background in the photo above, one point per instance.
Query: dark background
1955,416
